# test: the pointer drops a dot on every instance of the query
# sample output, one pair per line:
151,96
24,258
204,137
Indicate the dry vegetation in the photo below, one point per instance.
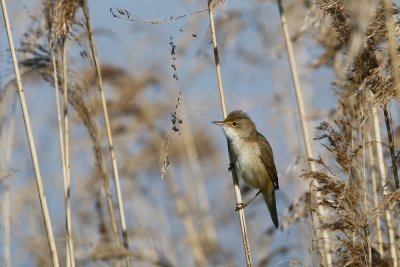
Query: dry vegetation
109,214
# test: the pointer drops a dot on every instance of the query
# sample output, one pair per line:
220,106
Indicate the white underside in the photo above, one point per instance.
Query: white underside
248,164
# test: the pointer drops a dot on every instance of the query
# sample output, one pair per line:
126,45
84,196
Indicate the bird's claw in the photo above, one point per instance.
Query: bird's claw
230,167
240,206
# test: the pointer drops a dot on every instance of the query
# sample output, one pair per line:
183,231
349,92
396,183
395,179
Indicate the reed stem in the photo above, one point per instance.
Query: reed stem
31,142
238,194
391,30
391,146
375,190
109,133
382,171
306,134
67,167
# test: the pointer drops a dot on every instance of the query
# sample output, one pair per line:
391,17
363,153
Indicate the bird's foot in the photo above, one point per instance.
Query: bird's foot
230,168
240,206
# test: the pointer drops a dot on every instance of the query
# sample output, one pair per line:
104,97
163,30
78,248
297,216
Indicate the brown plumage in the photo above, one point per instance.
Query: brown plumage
253,157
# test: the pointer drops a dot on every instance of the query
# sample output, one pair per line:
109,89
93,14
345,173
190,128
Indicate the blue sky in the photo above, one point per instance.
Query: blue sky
262,87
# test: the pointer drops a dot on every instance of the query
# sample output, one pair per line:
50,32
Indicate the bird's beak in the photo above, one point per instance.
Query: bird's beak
220,123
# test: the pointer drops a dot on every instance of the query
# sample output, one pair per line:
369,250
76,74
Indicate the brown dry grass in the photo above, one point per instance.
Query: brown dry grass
354,49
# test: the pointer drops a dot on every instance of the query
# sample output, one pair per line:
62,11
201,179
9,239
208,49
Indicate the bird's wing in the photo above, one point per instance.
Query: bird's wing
267,159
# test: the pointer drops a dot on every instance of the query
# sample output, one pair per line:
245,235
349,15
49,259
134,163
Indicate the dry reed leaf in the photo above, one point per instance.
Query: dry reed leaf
340,192
390,201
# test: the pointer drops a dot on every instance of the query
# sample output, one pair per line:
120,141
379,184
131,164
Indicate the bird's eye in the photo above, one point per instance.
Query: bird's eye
234,124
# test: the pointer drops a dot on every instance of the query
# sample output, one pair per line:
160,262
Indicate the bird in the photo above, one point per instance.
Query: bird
252,158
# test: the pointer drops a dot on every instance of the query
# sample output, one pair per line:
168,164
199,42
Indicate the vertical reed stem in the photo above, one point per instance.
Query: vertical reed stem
306,135
31,142
391,146
375,190
388,216
6,226
183,211
108,128
194,163
67,167
62,152
238,195
391,29
365,201
5,160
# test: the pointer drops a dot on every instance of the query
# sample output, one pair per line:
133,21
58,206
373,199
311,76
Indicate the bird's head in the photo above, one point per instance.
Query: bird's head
237,124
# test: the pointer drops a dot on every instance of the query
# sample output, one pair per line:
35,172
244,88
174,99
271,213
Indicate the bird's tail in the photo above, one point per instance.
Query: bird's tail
269,197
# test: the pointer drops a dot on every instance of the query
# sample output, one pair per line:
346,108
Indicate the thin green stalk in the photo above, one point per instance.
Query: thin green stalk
109,134
238,194
324,244
31,142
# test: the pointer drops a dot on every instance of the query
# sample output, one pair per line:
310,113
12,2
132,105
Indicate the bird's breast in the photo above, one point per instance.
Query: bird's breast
249,165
